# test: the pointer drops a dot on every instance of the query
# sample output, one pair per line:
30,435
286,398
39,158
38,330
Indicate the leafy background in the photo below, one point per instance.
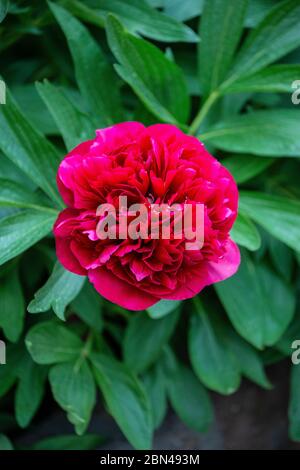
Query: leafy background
74,66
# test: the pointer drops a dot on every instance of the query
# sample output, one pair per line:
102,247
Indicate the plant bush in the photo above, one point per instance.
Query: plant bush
72,67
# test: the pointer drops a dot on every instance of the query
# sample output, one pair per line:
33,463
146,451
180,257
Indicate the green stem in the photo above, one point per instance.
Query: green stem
85,352
203,112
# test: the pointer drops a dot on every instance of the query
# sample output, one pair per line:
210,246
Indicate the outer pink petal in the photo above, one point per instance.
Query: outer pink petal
120,134
120,292
66,257
214,272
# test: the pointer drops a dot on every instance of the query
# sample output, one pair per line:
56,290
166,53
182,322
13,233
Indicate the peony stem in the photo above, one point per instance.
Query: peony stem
203,112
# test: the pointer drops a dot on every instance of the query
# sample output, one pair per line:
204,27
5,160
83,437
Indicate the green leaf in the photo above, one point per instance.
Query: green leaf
282,258
263,318
274,37
155,387
245,233
22,230
284,345
88,306
5,443
4,4
276,133
183,11
294,406
137,16
212,360
70,442
73,388
33,108
9,371
60,289
12,308
189,399
30,391
14,195
145,339
257,10
125,399
221,27
94,74
163,308
49,343
276,78
248,360
74,126
245,167
157,81
280,216
28,149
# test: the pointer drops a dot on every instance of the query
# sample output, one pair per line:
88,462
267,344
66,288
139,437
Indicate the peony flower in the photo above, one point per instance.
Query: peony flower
156,164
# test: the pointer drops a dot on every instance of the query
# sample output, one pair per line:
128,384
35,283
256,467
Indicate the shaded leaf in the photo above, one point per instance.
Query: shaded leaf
263,318
58,292
50,343
212,360
157,81
276,133
145,339
74,389
125,399
245,233
22,230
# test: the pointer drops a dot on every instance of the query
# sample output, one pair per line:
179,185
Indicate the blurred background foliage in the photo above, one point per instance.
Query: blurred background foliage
73,66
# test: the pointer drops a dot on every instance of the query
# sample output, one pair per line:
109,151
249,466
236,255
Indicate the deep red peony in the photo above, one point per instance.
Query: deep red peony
158,164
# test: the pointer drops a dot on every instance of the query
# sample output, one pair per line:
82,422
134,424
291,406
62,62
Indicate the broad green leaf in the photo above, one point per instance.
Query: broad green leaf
94,74
274,37
163,308
155,387
73,388
49,343
9,171
284,345
157,81
12,194
245,233
249,361
30,391
58,292
280,216
125,399
263,318
22,230
189,399
12,308
183,11
294,406
28,149
221,27
9,371
145,339
88,306
276,78
70,442
282,258
137,16
4,4
33,108
245,167
5,443
212,360
257,10
74,126
276,133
